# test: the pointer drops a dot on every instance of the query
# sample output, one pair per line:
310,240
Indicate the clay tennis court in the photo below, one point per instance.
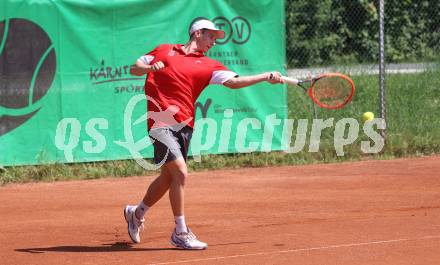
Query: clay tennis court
369,212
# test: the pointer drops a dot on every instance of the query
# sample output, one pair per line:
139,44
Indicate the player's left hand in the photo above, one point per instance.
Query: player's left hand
274,78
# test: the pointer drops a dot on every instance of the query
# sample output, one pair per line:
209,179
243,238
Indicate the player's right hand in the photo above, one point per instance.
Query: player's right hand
274,78
157,66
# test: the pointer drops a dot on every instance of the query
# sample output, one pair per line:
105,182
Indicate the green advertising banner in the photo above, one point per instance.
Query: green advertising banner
66,94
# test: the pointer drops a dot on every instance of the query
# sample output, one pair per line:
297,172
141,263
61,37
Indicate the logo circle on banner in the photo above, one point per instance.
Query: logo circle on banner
27,70
238,29
243,30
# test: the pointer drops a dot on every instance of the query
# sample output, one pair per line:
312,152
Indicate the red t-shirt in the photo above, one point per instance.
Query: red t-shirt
180,83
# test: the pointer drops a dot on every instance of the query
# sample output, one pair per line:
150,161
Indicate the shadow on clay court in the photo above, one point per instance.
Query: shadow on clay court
115,247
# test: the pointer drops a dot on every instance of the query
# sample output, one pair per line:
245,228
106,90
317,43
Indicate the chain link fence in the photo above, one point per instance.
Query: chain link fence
362,37
324,33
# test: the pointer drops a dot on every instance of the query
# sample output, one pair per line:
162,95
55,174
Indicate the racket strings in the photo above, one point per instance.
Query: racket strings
332,91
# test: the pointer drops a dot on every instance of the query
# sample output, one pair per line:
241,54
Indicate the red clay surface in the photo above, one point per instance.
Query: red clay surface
370,212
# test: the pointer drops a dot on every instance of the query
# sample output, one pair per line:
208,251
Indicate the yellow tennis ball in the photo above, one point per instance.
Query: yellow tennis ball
368,116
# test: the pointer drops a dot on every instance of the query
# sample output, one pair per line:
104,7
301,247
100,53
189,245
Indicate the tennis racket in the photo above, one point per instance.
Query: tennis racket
330,91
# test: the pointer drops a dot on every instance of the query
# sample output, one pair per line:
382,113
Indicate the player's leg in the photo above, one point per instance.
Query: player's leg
179,173
134,215
164,145
157,188
182,236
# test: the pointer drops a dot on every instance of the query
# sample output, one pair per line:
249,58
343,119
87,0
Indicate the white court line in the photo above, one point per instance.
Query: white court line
301,250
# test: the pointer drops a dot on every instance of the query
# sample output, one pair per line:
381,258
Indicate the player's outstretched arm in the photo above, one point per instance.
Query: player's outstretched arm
244,81
141,68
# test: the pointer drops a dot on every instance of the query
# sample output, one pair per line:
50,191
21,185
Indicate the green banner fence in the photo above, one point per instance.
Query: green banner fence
66,94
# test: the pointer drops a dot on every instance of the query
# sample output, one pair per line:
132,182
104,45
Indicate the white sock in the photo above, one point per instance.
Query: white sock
180,224
141,210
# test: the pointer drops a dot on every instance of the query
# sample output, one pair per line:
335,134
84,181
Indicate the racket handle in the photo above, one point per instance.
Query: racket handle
290,80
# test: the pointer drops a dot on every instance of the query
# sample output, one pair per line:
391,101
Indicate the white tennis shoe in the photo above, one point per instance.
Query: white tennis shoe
134,224
187,241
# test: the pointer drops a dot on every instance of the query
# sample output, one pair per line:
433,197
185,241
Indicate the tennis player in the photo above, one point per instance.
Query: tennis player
176,75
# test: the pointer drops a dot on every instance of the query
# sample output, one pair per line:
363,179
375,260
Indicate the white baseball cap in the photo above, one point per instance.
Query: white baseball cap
206,24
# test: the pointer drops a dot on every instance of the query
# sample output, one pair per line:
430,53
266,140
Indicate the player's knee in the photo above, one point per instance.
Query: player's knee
180,176
177,170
